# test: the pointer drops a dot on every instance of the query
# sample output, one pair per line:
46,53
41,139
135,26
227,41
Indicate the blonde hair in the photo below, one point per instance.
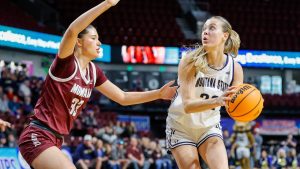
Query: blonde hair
197,56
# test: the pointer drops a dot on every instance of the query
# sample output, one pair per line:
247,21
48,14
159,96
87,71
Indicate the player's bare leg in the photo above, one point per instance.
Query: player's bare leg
186,156
214,153
52,158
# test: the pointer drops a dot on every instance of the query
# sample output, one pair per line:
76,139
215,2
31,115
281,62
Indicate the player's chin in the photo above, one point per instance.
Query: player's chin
93,56
207,47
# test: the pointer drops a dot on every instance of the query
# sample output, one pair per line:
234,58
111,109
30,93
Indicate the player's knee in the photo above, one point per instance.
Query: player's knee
221,165
194,164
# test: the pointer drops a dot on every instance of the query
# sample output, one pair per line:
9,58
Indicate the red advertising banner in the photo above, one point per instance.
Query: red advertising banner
279,127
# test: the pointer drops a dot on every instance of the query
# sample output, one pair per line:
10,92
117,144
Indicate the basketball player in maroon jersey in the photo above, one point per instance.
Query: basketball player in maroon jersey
67,88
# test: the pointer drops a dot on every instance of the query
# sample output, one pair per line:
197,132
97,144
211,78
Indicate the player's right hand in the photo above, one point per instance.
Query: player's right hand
4,124
112,2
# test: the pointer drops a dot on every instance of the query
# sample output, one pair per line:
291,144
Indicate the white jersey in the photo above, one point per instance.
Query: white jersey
209,85
242,139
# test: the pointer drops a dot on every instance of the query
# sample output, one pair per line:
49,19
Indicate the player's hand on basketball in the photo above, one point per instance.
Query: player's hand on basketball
112,2
4,124
168,91
226,96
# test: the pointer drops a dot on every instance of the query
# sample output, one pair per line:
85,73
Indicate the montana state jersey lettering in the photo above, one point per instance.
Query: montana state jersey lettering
62,99
207,86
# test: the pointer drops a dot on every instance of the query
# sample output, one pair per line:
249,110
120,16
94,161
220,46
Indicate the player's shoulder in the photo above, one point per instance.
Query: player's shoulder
237,66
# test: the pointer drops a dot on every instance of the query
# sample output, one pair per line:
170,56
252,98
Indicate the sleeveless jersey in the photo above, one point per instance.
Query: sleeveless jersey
242,139
62,99
209,85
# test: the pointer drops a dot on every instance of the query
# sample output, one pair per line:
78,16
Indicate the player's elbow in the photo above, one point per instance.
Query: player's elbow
187,108
122,100
123,103
71,32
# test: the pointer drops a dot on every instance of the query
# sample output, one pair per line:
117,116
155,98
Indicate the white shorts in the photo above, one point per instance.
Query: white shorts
242,152
178,134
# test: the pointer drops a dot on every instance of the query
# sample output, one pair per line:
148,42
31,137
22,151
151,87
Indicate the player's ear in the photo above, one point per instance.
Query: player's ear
79,42
225,36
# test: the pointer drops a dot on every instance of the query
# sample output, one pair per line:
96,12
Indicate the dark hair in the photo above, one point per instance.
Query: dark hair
85,31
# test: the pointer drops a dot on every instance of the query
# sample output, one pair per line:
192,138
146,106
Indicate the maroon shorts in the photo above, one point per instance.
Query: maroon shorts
34,140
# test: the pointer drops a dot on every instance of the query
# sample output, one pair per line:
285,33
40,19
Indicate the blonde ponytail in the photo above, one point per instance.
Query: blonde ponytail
232,44
197,58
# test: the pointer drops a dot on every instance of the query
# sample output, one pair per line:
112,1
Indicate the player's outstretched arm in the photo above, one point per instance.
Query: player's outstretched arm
69,38
4,124
114,93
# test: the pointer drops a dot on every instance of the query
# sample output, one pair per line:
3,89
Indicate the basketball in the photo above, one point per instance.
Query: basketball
246,103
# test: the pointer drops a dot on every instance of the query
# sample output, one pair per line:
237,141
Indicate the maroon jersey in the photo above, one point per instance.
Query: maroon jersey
65,93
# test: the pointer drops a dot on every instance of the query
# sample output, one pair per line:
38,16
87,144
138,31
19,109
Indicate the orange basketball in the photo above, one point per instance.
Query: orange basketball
246,103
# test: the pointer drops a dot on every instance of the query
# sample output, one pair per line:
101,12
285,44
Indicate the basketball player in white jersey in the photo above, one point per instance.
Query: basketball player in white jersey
206,76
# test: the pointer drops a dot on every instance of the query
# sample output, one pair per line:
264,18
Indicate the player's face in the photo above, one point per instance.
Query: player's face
91,44
212,34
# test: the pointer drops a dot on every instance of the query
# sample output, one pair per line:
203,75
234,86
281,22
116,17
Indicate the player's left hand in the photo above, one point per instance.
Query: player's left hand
226,96
112,2
167,92
4,124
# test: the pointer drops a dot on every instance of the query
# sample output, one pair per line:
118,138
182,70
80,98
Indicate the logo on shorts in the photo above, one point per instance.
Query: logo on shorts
34,140
218,126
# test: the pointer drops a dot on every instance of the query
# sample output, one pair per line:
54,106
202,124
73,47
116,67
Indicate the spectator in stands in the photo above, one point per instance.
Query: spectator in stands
265,162
129,130
207,75
3,140
7,80
14,105
26,106
24,89
10,93
118,156
109,136
161,161
148,151
89,120
119,130
134,154
67,89
257,144
281,161
292,159
4,104
100,154
11,141
291,142
36,88
86,154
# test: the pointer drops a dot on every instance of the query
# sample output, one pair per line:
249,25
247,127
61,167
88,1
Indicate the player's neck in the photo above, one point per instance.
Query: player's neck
82,60
216,59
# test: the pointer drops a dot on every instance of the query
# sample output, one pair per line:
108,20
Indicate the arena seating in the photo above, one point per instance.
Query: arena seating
262,25
131,22
15,16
